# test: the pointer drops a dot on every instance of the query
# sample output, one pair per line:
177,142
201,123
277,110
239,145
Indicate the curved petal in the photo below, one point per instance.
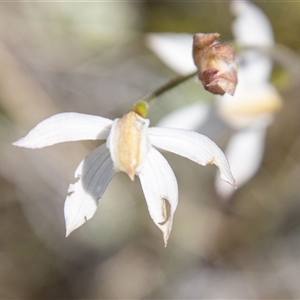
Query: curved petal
251,27
192,145
160,189
174,49
189,116
93,173
66,127
244,152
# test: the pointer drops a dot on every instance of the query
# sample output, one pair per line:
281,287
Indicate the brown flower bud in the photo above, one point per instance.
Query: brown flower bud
215,63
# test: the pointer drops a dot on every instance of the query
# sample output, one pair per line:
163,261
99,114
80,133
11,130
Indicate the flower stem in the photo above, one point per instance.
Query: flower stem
167,86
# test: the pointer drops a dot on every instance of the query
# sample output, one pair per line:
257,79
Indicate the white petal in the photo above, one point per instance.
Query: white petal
255,68
244,153
189,116
66,127
93,173
193,146
251,27
160,189
174,49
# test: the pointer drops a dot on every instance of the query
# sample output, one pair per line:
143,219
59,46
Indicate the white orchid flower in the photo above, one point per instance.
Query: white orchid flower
256,100
251,110
130,147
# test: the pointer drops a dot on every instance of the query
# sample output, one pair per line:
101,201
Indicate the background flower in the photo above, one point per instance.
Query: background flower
256,100
251,109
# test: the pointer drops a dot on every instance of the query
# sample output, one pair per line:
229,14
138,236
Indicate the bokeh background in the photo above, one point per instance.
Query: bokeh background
91,58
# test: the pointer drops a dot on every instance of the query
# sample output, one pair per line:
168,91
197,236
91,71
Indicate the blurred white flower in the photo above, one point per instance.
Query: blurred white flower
130,147
251,110
175,50
256,100
189,116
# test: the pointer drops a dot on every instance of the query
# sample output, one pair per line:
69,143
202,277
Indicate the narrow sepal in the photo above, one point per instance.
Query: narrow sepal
94,174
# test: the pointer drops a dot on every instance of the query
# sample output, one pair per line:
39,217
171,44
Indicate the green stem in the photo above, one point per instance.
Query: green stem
166,87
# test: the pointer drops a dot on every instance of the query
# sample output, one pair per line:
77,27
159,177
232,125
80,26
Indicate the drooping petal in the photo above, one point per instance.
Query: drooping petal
160,189
244,153
174,49
65,127
193,146
93,173
128,143
189,117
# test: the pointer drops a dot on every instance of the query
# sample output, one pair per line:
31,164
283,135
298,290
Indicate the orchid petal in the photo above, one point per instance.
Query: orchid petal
193,146
244,152
174,49
251,27
188,117
256,68
93,173
160,189
65,127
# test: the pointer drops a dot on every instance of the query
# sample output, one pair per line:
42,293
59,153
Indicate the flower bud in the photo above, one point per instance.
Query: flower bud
215,63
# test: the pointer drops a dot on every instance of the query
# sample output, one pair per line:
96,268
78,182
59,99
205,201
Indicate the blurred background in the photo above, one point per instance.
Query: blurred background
91,58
